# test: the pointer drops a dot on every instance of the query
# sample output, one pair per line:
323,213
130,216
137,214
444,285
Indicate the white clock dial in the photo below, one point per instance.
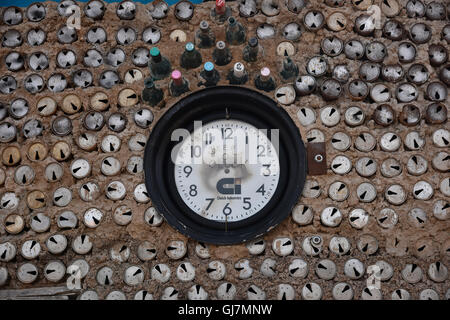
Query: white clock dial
227,170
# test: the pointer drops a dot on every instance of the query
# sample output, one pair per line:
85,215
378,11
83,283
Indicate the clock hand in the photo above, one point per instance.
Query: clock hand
226,223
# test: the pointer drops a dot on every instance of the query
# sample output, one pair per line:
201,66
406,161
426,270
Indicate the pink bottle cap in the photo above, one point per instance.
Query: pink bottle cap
220,6
176,77
265,72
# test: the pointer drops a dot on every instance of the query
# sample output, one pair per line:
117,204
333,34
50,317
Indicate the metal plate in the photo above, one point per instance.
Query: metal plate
317,158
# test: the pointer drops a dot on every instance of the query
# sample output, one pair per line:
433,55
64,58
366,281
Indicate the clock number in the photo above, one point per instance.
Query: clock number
192,190
227,210
196,151
226,133
211,200
261,150
248,203
187,170
208,138
261,190
267,171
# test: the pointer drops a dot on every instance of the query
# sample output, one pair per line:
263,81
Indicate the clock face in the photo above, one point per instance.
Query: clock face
224,165
230,184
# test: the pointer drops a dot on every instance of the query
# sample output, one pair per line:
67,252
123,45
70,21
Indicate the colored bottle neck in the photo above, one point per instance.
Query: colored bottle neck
264,78
157,58
253,50
177,82
190,53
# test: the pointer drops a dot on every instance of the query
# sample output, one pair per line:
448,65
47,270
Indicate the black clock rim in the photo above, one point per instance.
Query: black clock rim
257,106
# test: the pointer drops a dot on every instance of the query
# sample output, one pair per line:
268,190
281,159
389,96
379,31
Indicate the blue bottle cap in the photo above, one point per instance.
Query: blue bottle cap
209,66
189,46
154,52
253,42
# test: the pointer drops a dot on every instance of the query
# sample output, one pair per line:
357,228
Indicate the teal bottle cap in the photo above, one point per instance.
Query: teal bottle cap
154,52
209,66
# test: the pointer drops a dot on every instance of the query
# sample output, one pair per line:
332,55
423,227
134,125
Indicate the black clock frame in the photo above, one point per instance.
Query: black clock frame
218,103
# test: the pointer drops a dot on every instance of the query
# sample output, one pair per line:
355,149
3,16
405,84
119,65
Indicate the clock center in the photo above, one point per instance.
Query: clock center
225,185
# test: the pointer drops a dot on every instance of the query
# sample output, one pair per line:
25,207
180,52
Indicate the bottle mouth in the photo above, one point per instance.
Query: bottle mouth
265,72
253,42
231,21
204,25
148,83
220,45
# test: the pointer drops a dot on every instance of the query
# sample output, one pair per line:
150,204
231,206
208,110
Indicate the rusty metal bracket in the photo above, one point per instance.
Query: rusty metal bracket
317,158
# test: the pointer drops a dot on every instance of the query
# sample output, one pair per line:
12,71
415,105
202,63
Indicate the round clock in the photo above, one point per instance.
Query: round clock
225,165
